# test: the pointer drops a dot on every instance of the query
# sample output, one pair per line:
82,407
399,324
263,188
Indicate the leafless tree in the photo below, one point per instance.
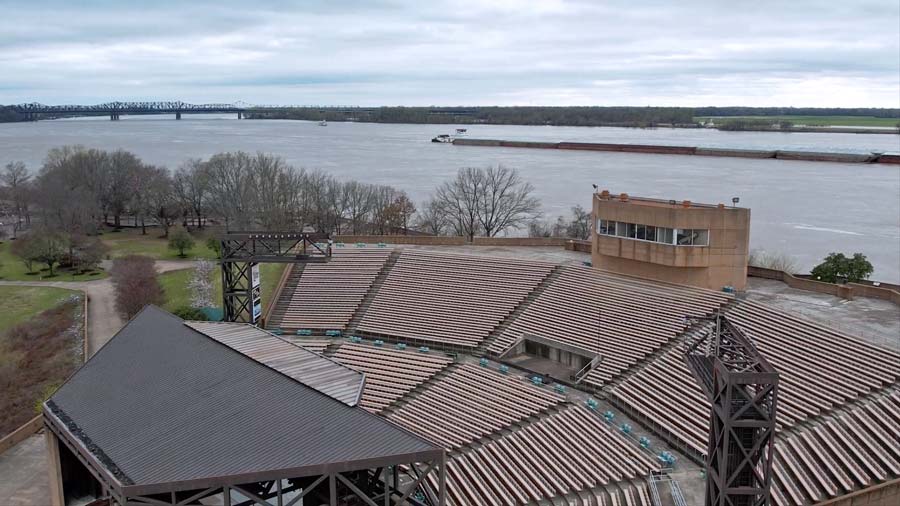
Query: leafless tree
191,187
231,189
506,201
136,285
431,218
487,201
18,189
161,199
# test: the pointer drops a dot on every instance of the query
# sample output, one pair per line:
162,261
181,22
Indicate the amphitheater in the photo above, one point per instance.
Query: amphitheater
435,333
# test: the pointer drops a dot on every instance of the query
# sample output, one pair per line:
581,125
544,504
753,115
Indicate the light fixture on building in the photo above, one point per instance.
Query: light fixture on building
734,201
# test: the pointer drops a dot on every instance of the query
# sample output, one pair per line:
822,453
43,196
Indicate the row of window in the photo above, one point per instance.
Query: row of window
677,237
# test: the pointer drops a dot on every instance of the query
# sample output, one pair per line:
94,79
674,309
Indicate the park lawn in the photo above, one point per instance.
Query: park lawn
847,121
130,242
20,303
12,269
177,295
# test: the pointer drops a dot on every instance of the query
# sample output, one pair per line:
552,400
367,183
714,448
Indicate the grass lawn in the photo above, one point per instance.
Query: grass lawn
19,303
849,121
12,269
177,295
130,241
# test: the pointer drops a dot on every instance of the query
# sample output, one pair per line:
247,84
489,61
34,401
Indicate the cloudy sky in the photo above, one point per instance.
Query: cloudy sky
843,53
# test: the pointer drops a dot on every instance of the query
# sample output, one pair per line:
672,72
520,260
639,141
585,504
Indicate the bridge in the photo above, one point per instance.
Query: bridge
34,111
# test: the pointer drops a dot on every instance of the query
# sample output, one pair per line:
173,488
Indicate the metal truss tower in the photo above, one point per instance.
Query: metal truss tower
743,389
242,252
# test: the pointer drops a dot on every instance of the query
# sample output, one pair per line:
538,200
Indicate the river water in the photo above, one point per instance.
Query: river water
805,209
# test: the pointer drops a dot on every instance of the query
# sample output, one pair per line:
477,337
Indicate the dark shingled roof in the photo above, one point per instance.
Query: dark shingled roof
162,403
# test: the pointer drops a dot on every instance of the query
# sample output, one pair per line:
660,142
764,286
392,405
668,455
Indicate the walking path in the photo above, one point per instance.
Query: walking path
103,320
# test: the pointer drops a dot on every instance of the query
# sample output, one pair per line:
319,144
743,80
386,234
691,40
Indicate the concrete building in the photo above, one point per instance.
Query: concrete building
681,242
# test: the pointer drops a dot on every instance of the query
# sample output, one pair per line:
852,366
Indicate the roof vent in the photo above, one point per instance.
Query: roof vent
604,194
623,197
686,203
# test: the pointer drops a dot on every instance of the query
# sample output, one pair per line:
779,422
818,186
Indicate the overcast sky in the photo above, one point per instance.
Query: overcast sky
831,53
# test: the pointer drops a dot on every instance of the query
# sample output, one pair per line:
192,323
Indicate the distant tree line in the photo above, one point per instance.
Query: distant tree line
797,111
568,116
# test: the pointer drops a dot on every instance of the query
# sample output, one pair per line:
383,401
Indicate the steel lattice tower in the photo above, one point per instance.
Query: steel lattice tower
242,252
743,389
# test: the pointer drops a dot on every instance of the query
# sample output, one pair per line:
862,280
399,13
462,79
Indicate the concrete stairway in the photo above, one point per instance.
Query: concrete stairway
373,291
481,350
421,387
284,298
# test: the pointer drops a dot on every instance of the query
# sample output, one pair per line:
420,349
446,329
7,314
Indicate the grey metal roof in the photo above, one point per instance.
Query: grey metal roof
313,370
164,407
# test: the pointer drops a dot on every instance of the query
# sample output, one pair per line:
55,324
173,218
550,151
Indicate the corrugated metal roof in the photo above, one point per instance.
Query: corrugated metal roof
313,370
172,409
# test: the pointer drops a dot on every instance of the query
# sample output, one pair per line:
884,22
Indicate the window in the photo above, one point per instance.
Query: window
701,237
693,237
663,235
641,232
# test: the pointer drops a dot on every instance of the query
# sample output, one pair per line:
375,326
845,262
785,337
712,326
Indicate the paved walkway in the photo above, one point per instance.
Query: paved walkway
23,474
103,320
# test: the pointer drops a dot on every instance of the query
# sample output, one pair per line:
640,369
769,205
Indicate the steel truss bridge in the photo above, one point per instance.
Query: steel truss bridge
34,111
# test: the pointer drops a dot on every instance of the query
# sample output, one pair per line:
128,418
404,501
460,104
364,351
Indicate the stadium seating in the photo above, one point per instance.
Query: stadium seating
453,300
572,453
472,402
621,318
820,370
854,449
328,295
390,373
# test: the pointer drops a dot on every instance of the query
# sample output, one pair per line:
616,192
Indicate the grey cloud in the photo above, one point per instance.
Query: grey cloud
552,52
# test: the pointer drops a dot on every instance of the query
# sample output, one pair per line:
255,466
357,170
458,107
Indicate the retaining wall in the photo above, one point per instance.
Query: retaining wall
432,240
21,434
578,245
847,291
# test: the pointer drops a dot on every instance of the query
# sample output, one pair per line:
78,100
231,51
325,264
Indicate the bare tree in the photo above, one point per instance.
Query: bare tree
580,226
506,201
487,201
122,183
460,198
191,186
399,213
432,219
231,189
161,199
136,285
17,182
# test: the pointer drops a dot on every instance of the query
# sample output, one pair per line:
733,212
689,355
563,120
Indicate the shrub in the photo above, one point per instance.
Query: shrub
214,245
136,285
776,260
190,313
838,268
181,241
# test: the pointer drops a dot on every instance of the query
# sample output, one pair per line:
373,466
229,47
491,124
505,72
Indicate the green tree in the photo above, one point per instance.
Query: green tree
839,268
181,241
